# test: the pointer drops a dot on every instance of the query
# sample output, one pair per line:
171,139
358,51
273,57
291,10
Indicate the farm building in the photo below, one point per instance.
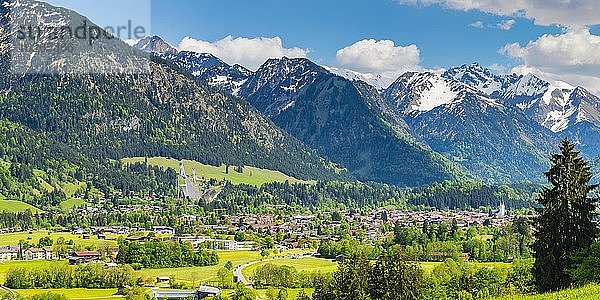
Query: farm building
9,253
200,293
84,257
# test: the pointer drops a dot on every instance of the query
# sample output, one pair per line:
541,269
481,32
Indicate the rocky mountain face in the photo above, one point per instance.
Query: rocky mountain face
156,45
349,123
471,128
501,128
203,66
567,111
346,122
109,100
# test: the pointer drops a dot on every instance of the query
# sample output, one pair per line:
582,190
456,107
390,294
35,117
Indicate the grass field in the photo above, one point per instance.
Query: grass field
197,275
250,175
589,292
310,264
17,206
429,266
71,203
96,294
12,239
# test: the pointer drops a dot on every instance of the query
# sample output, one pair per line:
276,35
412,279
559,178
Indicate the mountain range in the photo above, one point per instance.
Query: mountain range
290,115
152,109
466,121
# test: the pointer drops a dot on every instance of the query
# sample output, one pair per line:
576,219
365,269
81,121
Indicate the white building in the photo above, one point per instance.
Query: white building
203,242
163,230
38,254
8,253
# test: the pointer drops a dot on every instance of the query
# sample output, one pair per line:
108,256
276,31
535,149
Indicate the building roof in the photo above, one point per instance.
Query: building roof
172,294
87,253
9,249
209,290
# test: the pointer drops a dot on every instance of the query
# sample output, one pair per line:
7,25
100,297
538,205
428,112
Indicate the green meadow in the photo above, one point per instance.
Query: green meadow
17,206
74,294
197,275
72,203
4,267
310,264
588,292
12,239
250,175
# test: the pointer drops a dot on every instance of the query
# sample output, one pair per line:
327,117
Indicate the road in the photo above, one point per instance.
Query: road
237,272
11,293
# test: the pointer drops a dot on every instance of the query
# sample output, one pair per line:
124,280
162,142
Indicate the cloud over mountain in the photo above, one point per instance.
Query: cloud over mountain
248,52
382,58
573,56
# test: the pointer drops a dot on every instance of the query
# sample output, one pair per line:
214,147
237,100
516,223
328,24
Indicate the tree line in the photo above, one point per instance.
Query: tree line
57,276
164,254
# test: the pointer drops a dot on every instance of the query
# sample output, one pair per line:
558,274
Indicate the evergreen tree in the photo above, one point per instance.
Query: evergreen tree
564,224
302,296
396,276
351,280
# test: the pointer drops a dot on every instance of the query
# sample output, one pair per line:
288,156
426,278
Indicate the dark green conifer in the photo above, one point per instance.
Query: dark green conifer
564,224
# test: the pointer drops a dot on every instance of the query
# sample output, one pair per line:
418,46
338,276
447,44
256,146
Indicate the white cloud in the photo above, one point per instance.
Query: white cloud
544,12
250,53
382,59
506,24
499,69
477,24
572,56
371,56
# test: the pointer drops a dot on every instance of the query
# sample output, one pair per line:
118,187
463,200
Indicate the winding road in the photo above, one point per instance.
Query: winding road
237,271
10,292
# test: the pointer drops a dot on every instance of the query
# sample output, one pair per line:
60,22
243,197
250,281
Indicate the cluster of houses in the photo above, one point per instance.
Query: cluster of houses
371,224
11,253
8,253
204,242
294,227
104,231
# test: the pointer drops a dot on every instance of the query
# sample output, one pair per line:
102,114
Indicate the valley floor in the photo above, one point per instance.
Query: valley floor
589,292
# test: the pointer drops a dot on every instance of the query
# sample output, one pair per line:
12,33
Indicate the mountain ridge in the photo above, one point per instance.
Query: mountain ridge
157,112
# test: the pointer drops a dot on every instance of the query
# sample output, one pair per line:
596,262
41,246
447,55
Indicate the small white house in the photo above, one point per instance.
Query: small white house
38,254
163,230
8,253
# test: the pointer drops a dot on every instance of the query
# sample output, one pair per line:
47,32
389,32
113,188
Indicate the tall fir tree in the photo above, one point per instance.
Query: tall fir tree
564,224
396,276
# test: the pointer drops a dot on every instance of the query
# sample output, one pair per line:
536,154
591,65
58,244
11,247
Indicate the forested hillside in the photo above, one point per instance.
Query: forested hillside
151,111
38,170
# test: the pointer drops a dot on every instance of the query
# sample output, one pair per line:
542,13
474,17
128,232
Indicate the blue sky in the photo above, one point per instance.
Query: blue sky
555,39
443,36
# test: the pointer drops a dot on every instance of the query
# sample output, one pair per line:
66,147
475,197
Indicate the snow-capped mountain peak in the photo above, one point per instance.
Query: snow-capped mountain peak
155,44
204,66
376,80
422,92
554,105
288,74
480,78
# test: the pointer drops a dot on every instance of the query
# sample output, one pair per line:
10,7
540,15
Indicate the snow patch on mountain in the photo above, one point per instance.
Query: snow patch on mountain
378,81
555,105
438,93
415,93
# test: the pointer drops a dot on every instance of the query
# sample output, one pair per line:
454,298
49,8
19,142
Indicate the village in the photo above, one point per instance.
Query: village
288,232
